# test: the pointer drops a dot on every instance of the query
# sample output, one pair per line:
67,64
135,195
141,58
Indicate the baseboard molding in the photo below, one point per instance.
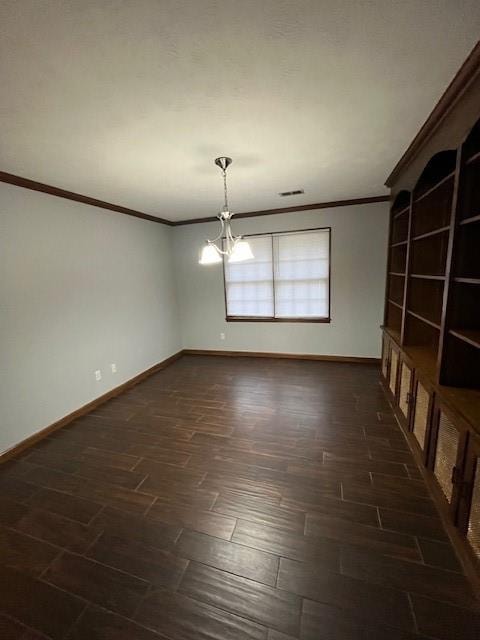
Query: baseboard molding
39,435
289,356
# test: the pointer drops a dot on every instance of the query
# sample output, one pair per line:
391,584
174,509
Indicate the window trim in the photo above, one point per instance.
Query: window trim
313,319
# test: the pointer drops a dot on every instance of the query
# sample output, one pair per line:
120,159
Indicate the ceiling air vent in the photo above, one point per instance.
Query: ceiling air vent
295,192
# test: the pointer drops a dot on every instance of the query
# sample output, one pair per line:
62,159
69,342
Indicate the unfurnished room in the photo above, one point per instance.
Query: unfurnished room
239,320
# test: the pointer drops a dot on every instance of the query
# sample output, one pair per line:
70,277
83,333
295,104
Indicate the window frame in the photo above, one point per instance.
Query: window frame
312,319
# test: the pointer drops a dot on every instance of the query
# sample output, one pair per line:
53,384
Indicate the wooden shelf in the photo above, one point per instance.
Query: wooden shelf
435,186
467,335
467,280
426,277
425,360
423,319
401,213
470,220
395,304
399,244
474,158
396,273
431,233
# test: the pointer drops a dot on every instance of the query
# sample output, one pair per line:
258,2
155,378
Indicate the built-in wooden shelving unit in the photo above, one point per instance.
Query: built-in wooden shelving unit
431,349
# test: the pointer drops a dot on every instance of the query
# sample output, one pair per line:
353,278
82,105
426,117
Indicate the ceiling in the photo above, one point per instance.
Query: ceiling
129,101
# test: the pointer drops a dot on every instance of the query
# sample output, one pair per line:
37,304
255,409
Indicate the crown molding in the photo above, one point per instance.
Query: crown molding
77,197
464,77
18,181
300,207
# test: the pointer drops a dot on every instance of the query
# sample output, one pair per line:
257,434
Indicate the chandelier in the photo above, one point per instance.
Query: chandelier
234,247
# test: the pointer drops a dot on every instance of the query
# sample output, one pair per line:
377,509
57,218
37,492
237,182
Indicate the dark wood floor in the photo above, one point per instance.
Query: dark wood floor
229,499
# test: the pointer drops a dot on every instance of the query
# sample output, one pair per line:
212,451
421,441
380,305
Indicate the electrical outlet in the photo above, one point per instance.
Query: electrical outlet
98,375
113,366
222,336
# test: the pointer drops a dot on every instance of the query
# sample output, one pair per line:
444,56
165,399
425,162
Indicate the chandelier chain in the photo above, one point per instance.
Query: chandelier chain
225,192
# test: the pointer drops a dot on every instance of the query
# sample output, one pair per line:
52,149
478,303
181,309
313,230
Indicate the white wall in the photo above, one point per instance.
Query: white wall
358,262
80,288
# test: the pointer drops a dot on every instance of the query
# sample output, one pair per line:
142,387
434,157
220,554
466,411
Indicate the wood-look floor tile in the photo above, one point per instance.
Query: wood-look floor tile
99,624
179,494
178,616
65,505
228,556
38,605
161,454
11,511
444,621
405,486
110,475
321,621
412,523
16,489
379,604
159,567
12,630
343,531
158,474
221,482
260,510
324,553
247,598
351,511
97,583
56,529
337,463
207,522
137,528
407,576
24,553
439,554
389,499
52,479
135,502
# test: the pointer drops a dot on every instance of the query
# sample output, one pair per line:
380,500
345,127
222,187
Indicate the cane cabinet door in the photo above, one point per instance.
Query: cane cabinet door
393,370
447,454
470,496
421,415
405,389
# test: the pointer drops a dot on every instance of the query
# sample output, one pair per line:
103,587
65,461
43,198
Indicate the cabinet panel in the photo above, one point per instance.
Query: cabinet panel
448,440
421,415
385,349
404,393
393,370
473,530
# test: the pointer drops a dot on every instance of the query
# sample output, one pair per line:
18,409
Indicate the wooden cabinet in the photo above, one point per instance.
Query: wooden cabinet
431,357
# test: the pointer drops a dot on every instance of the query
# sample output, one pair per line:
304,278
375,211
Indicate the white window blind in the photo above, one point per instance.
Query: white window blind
249,285
288,278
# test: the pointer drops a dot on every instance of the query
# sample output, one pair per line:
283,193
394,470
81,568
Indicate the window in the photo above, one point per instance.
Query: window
288,279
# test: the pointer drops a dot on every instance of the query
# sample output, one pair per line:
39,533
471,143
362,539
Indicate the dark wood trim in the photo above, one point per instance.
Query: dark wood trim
77,197
289,356
457,87
262,319
39,435
304,207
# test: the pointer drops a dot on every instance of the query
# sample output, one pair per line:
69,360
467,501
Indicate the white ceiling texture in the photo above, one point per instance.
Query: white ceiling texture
130,101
